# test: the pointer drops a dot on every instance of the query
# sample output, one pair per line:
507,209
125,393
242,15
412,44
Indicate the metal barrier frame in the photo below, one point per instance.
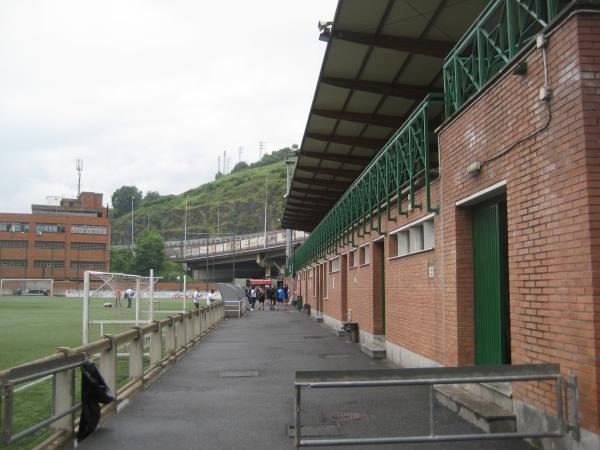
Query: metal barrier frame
181,332
431,377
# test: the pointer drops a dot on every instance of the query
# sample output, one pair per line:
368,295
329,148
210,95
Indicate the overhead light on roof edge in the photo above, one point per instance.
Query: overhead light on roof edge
325,29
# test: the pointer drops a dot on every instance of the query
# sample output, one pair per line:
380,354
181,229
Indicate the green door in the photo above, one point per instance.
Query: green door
490,280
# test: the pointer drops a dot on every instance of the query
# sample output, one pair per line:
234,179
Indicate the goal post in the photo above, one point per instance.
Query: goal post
111,286
27,286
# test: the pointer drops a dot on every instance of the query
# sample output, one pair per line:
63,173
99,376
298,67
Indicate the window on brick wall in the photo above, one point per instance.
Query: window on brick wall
49,244
363,255
13,244
49,228
412,238
14,227
352,259
334,265
41,263
88,229
12,263
87,246
94,265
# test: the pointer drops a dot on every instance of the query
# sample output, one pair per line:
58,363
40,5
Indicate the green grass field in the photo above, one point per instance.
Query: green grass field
33,327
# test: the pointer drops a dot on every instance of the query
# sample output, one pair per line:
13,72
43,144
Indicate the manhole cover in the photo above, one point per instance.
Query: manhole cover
314,337
345,418
334,356
238,373
316,431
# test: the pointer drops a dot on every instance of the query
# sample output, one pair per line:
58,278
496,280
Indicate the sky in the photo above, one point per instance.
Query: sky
150,92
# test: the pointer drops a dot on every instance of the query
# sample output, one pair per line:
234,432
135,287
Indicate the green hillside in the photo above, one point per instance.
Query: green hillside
241,196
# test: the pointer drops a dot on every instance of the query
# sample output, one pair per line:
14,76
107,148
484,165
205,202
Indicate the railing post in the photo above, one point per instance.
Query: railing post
179,332
197,324
156,345
170,338
203,327
63,399
136,356
189,328
108,367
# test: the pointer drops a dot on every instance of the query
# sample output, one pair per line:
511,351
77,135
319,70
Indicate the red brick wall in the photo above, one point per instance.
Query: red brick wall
552,186
65,254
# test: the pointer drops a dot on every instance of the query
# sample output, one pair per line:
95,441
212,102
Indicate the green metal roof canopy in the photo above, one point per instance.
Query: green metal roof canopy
382,58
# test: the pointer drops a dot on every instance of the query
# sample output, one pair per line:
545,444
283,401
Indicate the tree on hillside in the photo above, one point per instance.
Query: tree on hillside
151,196
218,175
275,156
121,199
149,252
239,166
121,261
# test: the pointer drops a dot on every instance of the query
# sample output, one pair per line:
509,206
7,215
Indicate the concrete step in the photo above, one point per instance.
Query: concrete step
316,318
373,350
482,413
338,333
497,393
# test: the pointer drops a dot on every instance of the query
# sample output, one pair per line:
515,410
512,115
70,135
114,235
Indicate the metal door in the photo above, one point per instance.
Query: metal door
490,281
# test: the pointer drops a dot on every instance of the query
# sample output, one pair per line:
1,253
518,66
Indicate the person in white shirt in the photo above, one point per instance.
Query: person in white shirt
196,298
209,297
129,295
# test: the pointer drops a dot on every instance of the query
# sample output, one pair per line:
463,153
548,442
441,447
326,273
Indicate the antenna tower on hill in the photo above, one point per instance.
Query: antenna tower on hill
79,167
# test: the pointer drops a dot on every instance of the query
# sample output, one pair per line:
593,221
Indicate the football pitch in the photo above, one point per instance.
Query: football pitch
34,327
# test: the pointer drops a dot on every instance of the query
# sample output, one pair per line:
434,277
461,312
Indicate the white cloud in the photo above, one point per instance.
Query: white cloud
148,92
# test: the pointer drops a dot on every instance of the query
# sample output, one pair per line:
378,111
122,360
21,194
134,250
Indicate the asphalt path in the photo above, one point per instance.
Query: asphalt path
235,391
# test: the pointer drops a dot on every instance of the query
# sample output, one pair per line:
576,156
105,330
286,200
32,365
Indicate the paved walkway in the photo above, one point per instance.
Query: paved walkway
235,391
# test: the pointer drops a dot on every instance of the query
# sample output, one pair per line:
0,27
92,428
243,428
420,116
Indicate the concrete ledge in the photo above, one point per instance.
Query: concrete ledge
317,319
483,414
374,351
338,333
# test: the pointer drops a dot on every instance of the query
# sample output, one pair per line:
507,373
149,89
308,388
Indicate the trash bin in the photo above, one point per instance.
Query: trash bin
299,302
351,329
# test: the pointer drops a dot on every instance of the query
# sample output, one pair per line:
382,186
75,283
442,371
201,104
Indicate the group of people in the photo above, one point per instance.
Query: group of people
209,297
273,298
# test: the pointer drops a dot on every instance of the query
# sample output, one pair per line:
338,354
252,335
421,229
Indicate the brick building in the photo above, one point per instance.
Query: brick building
56,241
492,258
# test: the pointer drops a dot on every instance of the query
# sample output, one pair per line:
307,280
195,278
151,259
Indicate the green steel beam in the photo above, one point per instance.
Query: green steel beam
394,172
498,34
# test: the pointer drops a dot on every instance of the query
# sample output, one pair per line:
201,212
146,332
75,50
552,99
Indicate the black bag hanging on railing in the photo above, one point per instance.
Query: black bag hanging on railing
94,391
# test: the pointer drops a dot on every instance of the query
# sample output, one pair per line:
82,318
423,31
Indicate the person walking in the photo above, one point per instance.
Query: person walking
252,298
280,294
261,299
118,297
210,297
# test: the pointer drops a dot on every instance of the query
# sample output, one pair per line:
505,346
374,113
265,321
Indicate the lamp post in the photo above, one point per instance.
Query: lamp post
132,223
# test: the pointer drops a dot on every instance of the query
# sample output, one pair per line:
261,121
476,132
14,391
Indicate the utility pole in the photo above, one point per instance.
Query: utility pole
266,184
224,162
79,167
218,219
240,151
219,165
288,231
132,223
261,148
185,229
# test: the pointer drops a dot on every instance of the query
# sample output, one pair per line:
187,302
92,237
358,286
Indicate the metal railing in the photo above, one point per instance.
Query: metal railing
402,166
431,377
179,332
498,34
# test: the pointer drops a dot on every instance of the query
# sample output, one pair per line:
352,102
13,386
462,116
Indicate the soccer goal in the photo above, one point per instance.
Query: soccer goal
26,286
105,300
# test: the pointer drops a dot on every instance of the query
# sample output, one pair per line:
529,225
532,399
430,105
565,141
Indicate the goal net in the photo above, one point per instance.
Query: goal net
26,286
114,301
